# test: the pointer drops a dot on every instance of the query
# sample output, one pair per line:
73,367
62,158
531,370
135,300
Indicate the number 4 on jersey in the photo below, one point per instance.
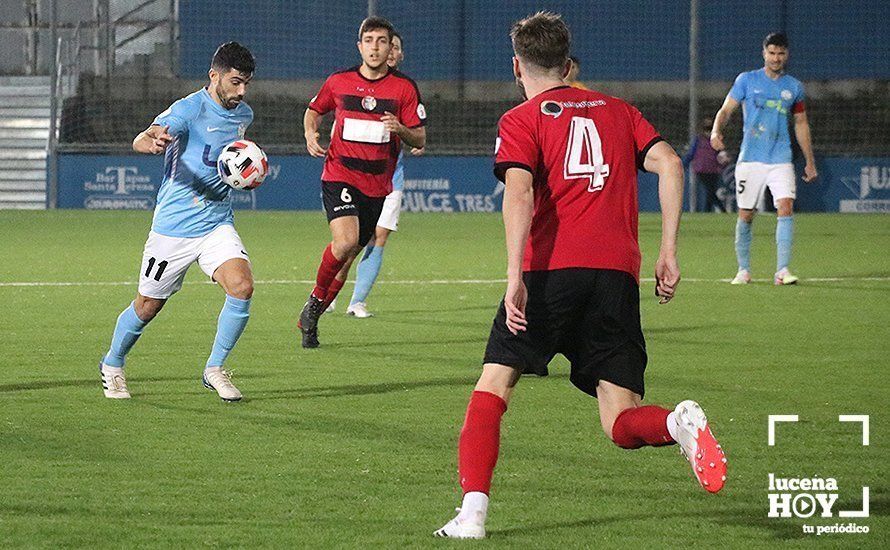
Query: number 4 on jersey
584,140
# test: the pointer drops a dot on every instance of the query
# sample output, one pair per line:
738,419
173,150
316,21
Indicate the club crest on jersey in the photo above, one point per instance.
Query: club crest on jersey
369,103
551,108
786,95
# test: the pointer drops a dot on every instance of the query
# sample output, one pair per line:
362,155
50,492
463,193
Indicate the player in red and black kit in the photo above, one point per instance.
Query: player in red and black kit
569,159
375,109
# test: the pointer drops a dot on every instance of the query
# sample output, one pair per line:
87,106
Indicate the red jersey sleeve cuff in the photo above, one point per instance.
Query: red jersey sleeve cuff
500,169
317,110
641,156
799,107
422,123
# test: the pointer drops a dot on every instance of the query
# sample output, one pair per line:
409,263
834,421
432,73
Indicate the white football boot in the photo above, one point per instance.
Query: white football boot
741,278
471,527
359,310
784,277
114,383
699,446
217,379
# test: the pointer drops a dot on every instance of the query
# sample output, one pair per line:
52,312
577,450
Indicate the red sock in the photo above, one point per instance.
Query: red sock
641,426
333,290
480,439
328,269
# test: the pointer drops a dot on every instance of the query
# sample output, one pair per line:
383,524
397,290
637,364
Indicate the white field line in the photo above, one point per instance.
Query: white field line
39,284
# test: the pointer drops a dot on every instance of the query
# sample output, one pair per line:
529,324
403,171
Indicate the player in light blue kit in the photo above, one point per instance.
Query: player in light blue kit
193,219
372,259
768,96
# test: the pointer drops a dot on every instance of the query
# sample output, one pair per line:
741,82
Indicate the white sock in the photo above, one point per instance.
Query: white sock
475,505
672,425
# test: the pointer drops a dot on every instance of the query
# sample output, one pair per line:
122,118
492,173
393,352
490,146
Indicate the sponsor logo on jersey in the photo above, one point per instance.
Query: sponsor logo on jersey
551,108
369,103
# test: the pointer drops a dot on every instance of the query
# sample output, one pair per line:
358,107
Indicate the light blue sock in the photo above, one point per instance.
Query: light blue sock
743,238
784,238
232,320
127,330
367,272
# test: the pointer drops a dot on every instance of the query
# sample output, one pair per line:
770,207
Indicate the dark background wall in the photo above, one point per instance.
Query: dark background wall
616,39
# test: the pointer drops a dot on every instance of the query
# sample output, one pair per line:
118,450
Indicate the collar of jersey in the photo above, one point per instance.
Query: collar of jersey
366,79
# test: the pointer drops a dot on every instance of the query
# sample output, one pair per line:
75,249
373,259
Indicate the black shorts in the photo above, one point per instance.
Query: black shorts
592,316
342,199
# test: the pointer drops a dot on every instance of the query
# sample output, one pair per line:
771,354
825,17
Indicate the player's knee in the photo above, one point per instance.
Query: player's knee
746,215
242,288
147,308
345,248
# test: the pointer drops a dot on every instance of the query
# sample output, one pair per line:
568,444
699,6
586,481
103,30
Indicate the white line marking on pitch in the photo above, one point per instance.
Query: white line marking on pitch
410,282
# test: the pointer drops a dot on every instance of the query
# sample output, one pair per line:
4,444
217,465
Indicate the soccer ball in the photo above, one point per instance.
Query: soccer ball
242,165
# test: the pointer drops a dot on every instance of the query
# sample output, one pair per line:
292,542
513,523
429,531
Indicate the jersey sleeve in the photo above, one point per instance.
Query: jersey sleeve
412,113
515,146
737,92
323,102
645,135
799,105
177,117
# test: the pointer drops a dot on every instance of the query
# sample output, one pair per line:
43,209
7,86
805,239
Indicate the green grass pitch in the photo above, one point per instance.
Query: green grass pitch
354,444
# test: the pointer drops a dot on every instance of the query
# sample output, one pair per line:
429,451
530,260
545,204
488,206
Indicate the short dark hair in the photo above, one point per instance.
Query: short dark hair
233,55
775,39
373,23
542,39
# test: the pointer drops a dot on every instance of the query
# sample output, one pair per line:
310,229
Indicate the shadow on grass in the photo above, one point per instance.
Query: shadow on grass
737,517
363,389
97,382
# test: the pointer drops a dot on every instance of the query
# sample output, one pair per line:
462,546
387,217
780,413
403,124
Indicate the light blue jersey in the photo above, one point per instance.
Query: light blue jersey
767,104
192,200
398,177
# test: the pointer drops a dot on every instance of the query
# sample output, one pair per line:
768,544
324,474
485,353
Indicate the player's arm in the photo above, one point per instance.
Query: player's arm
414,137
663,161
720,119
519,206
153,140
311,121
802,133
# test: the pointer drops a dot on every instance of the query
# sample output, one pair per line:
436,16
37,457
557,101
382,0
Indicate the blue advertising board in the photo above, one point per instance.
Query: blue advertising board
432,184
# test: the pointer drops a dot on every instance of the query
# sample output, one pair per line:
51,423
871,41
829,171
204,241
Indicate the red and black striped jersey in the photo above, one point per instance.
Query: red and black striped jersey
362,152
583,149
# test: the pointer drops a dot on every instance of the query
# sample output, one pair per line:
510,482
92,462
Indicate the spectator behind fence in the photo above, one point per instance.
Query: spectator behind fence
706,164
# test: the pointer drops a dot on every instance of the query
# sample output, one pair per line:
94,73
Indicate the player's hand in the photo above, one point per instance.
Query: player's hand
810,173
417,151
391,123
667,276
313,147
159,140
717,141
514,303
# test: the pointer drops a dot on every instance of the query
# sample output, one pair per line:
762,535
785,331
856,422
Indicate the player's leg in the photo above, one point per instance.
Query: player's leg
750,181
223,258
366,274
611,353
165,261
781,183
372,259
341,205
478,449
